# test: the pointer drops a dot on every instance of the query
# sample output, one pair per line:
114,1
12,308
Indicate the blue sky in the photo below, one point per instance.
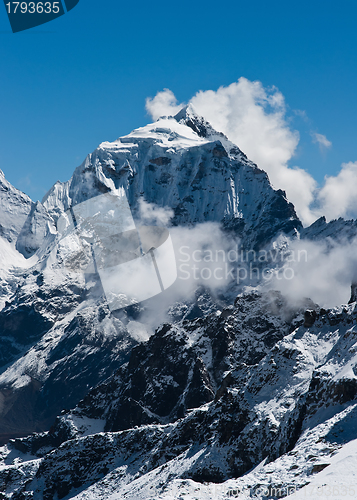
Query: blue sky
81,79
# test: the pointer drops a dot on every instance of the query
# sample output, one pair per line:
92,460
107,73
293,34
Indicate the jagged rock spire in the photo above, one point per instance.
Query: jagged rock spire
189,116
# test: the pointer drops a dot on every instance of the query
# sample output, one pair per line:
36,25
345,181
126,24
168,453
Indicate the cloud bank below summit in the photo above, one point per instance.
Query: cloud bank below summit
255,119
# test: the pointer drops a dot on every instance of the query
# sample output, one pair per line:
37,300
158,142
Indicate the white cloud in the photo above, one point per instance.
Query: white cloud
321,140
338,196
254,118
150,213
324,276
163,104
191,245
301,113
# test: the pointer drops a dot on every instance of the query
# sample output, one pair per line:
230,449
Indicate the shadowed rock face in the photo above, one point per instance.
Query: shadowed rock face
82,358
171,373
236,388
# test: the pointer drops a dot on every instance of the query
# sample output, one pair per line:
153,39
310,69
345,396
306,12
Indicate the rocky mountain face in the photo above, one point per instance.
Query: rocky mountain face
228,384
242,386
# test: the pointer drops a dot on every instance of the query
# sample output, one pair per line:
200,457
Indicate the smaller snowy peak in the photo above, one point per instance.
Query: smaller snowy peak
57,199
37,227
5,186
14,209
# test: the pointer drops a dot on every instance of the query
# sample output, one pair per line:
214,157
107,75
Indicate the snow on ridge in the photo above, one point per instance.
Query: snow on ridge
15,206
165,131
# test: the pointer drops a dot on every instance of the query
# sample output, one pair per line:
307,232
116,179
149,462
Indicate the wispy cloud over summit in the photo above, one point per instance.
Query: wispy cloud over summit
163,104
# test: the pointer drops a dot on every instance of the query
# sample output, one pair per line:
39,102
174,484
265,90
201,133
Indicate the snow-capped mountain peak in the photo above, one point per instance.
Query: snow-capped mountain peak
182,163
14,209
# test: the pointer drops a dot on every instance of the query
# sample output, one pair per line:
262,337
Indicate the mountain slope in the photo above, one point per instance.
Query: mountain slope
267,399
